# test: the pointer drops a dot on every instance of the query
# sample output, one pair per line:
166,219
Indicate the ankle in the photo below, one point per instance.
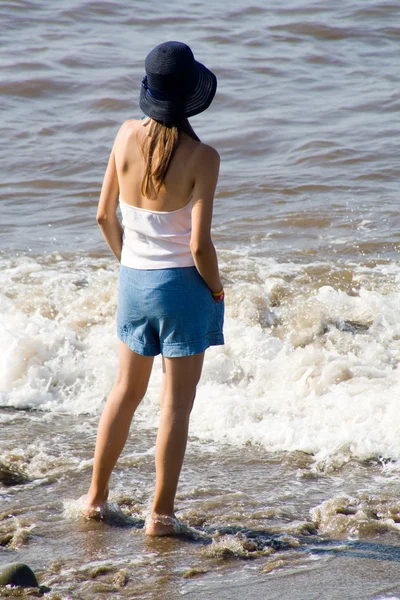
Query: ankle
166,510
160,518
96,497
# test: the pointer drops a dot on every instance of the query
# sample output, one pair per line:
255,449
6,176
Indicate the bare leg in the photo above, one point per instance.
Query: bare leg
129,388
181,376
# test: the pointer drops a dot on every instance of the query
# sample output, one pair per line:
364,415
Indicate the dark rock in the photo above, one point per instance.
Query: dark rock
11,476
18,575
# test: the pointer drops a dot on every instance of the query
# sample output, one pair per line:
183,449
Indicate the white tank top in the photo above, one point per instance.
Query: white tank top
154,239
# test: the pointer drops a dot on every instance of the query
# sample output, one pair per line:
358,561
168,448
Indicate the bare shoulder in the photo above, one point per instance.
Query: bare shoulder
128,127
206,170
125,132
207,157
209,153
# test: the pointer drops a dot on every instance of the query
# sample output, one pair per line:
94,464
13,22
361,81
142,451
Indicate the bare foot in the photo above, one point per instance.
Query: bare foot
162,525
92,509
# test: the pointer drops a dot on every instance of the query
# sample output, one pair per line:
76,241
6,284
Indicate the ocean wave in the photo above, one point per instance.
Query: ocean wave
305,367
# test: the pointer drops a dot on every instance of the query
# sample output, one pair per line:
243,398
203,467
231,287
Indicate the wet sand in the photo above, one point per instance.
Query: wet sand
265,525
368,571
349,577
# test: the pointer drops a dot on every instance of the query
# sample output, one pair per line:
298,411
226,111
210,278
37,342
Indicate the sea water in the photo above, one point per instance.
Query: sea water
295,429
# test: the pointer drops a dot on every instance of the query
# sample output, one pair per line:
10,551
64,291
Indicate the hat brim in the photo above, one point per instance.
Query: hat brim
171,111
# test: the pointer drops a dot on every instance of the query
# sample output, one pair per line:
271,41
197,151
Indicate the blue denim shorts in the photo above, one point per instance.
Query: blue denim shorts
167,311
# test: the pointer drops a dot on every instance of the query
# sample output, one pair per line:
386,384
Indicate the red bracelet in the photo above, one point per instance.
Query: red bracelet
219,296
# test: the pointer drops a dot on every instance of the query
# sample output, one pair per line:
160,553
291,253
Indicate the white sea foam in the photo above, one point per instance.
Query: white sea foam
305,366
57,342
356,515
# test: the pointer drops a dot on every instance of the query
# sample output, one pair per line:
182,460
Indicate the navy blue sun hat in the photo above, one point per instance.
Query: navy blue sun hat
175,86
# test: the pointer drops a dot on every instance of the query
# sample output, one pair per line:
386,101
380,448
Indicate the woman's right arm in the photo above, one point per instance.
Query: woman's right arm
201,245
107,219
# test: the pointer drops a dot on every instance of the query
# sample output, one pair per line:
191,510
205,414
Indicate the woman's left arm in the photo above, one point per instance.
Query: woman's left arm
107,219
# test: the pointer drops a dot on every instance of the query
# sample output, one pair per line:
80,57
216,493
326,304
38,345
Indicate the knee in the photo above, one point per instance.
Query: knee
127,386
176,411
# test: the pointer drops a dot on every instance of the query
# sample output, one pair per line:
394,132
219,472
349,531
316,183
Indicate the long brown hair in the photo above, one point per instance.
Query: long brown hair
158,151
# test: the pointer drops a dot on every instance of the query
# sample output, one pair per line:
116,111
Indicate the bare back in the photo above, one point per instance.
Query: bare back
192,175
178,185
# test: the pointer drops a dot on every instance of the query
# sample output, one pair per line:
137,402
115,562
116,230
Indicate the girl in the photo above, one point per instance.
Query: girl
170,296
